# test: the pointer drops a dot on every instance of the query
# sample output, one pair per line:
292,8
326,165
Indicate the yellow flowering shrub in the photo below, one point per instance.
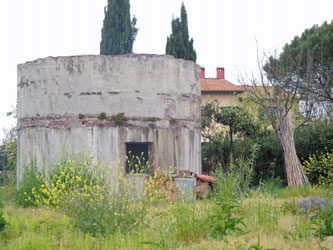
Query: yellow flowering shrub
319,169
99,198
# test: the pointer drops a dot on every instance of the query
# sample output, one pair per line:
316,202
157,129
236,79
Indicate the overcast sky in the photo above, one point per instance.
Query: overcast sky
224,32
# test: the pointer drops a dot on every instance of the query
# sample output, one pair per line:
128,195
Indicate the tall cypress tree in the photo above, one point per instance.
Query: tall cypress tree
118,32
178,43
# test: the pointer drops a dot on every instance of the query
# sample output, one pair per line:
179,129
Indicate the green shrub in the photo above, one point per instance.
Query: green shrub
319,169
316,137
269,162
118,119
102,116
31,180
3,222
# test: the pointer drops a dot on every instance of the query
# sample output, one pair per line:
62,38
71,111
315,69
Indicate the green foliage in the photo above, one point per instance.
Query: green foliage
319,169
12,158
310,57
266,215
118,32
173,226
215,123
270,162
172,120
313,138
223,223
238,120
188,225
271,186
236,182
321,214
316,137
3,223
118,119
178,43
31,180
102,116
81,190
324,222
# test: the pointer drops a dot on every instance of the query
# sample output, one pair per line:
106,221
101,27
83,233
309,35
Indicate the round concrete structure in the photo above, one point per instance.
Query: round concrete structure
69,104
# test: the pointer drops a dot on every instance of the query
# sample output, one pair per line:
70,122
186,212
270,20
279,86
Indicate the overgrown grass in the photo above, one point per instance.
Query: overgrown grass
175,225
268,217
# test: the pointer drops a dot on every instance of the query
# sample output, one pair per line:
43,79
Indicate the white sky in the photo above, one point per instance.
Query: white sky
224,32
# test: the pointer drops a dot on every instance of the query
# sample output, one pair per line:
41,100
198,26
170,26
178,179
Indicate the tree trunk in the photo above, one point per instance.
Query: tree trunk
294,168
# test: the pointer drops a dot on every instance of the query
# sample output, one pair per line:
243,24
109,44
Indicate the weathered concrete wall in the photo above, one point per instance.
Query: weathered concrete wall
60,99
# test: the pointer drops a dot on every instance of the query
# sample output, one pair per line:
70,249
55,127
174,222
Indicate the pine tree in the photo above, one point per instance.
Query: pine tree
178,43
118,32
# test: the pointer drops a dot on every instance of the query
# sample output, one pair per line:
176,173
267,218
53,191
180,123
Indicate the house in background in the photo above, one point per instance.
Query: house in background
219,89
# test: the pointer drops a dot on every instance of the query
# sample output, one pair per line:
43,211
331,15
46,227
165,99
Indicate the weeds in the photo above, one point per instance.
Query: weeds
31,180
223,222
321,214
82,191
257,246
102,116
118,119
137,165
3,222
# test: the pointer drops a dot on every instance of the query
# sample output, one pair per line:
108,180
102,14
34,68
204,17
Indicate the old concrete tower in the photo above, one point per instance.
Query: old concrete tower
107,105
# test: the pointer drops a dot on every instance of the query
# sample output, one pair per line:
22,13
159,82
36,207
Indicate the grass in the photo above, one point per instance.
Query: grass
180,225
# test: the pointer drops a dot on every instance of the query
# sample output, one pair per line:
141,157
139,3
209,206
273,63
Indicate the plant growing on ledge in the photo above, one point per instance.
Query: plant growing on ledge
153,119
102,116
118,118
172,120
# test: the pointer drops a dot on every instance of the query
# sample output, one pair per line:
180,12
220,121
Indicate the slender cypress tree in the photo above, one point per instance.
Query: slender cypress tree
118,32
178,43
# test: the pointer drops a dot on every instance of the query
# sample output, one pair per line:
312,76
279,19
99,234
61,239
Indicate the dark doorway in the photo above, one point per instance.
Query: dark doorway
137,160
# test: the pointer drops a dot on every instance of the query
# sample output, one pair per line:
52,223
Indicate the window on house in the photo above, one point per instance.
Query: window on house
137,160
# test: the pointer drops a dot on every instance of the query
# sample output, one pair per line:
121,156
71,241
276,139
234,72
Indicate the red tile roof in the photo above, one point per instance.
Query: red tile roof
219,85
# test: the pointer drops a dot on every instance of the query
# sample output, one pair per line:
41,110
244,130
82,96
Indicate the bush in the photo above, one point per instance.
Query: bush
269,159
270,162
93,198
3,222
84,192
215,153
316,137
319,169
31,180
118,119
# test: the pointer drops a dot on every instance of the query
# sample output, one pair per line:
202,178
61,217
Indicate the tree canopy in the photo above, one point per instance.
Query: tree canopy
310,58
178,43
236,119
118,32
